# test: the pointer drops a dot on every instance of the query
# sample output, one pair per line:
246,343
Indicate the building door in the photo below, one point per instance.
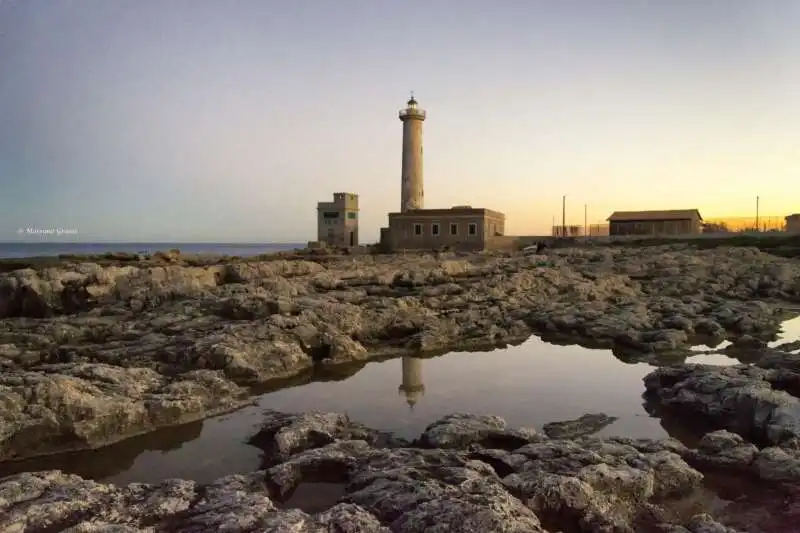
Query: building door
352,238
330,236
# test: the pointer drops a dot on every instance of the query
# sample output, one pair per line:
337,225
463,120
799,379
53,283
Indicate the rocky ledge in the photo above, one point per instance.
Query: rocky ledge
92,353
465,473
759,402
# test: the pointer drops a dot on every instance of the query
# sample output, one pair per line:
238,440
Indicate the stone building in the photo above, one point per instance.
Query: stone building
462,228
337,221
655,223
417,228
793,223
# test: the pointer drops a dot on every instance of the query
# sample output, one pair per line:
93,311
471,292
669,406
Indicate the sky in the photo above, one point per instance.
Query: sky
228,120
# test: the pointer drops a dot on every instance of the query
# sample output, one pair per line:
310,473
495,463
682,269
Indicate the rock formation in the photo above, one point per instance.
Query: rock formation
484,477
91,354
94,353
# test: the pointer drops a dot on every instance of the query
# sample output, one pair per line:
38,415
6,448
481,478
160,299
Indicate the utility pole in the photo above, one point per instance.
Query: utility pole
553,231
585,220
758,228
564,215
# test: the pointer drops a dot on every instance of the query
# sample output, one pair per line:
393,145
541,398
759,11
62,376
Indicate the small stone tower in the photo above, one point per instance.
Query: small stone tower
337,221
412,195
412,387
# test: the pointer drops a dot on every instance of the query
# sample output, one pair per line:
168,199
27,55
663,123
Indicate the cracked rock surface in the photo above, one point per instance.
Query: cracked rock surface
477,483
756,408
92,353
759,402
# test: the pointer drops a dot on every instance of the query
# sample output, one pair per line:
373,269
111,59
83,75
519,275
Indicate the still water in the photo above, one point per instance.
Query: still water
528,385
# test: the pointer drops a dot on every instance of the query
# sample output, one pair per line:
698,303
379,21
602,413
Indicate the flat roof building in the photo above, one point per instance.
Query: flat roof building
337,221
462,228
655,223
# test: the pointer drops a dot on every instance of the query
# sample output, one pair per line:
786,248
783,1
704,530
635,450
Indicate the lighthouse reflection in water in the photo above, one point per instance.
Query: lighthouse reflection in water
412,387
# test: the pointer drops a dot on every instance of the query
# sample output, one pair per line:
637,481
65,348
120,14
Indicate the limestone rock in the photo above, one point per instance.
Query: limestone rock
79,406
585,425
459,430
285,434
739,398
159,320
588,484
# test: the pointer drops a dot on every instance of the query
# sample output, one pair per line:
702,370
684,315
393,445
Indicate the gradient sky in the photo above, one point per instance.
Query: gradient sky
220,120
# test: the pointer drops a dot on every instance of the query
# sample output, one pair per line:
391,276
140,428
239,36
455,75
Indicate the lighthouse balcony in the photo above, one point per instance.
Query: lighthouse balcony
410,113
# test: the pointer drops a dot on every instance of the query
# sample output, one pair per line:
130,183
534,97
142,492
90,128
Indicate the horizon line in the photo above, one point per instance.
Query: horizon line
251,243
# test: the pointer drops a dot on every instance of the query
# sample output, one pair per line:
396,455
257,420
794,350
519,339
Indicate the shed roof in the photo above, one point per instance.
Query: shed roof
670,214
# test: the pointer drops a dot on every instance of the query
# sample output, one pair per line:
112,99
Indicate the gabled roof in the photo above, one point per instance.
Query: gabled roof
670,214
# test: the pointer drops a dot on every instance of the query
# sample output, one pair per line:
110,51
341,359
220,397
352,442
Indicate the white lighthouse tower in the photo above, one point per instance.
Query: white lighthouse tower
412,195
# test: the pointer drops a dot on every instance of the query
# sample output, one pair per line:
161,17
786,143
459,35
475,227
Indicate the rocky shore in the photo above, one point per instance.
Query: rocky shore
465,473
95,353
92,354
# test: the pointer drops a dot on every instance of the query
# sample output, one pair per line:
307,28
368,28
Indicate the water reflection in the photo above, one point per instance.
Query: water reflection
715,358
412,387
790,332
113,460
710,344
529,385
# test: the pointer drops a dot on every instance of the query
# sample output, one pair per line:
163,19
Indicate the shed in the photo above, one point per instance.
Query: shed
655,223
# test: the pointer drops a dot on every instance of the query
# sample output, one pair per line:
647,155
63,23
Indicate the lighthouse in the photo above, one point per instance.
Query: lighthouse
412,195
414,227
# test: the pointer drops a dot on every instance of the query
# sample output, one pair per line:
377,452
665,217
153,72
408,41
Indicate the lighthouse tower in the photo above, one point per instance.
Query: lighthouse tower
411,192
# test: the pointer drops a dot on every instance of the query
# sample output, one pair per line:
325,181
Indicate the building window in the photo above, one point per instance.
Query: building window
472,229
330,214
418,229
435,229
453,228
351,215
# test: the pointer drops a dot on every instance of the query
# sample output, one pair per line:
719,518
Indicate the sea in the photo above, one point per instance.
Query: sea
15,250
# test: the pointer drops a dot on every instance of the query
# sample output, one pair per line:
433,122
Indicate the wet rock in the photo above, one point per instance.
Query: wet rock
728,453
447,490
778,464
739,398
459,430
588,484
602,483
52,501
745,401
585,425
285,434
724,449
80,406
